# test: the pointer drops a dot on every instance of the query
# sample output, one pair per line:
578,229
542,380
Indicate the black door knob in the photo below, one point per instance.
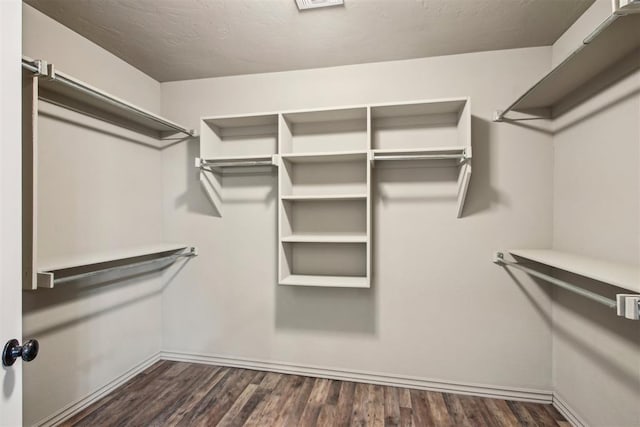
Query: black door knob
12,350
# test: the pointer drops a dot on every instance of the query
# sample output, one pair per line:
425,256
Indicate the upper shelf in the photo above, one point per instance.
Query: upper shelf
72,93
621,275
615,39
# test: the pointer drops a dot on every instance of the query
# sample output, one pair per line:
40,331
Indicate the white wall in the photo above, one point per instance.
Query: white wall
596,355
438,308
99,190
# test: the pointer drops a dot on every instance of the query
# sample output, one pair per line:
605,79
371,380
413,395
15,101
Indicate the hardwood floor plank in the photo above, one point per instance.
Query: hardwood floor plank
345,404
178,393
375,411
334,392
314,403
327,415
404,398
439,409
473,412
198,413
502,413
539,414
232,417
266,412
187,399
290,415
521,413
406,417
421,412
391,407
359,408
175,389
456,411
225,396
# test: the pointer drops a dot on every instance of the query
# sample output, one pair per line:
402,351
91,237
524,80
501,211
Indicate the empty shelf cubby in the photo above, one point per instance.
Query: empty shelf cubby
324,131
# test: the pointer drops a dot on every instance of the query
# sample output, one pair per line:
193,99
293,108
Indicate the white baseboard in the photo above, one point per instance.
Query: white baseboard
72,409
563,407
496,392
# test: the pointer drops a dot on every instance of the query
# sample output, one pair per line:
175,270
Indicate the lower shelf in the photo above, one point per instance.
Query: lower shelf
326,281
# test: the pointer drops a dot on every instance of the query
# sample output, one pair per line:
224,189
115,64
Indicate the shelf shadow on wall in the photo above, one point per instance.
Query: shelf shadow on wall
342,310
194,197
45,299
597,316
136,136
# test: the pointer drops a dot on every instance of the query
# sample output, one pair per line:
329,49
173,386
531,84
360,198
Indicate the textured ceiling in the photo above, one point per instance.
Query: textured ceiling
188,39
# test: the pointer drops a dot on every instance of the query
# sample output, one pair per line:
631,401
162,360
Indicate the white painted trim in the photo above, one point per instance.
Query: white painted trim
75,407
490,391
567,411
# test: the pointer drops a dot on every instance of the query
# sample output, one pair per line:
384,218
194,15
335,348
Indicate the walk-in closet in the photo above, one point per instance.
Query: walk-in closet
320,213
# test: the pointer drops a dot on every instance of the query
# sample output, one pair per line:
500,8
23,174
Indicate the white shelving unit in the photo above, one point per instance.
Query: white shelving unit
325,159
617,274
324,206
614,43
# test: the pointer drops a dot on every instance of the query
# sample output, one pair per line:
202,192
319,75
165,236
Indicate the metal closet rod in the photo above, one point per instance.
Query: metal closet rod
168,258
420,157
36,68
224,164
611,303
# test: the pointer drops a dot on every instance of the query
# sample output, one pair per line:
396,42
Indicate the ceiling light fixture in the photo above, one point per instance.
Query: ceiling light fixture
314,4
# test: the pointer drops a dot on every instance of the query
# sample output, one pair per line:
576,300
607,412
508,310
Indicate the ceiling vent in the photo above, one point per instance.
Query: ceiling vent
314,4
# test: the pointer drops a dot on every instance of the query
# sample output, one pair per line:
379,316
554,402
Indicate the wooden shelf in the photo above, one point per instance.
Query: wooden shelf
325,238
336,156
49,268
69,92
325,197
326,281
613,41
617,274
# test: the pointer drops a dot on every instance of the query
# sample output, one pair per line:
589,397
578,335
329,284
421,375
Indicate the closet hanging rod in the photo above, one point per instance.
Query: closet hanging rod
611,303
244,163
40,68
421,157
169,258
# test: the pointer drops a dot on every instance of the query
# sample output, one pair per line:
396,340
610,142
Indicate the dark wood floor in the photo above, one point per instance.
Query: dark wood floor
187,394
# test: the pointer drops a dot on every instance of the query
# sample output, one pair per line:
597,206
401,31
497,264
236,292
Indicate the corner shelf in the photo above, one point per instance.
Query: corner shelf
71,268
617,274
69,92
614,40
